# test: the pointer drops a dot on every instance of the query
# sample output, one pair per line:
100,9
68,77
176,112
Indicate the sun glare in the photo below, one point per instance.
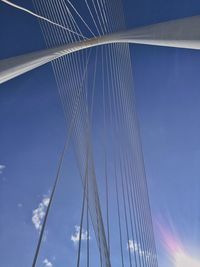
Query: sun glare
177,251
183,260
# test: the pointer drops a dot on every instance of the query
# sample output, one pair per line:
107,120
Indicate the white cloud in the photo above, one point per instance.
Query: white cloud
47,263
136,248
133,246
2,167
19,205
39,213
45,234
76,235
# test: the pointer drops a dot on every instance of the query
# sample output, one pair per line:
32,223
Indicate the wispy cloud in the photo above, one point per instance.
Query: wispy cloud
76,236
39,213
136,248
2,167
47,263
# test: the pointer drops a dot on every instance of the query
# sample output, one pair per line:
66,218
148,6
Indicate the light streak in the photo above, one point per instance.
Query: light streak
178,253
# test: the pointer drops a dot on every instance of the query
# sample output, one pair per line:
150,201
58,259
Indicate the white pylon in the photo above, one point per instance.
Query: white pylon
181,33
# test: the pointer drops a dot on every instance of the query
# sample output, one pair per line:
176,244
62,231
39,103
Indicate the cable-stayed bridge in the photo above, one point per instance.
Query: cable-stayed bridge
69,37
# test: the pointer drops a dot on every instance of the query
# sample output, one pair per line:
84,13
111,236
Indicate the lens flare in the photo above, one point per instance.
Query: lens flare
181,259
178,253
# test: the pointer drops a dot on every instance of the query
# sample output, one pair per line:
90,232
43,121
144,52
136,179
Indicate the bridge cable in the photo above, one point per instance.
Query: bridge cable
40,17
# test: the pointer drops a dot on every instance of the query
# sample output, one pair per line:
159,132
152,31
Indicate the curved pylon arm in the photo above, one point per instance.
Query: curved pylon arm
181,33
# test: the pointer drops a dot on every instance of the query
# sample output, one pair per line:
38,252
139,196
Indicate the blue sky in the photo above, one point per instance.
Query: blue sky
32,134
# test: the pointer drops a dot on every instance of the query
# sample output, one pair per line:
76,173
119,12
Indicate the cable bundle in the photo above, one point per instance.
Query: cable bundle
123,163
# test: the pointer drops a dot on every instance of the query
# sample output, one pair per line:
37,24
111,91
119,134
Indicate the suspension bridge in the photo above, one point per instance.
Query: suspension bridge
80,49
